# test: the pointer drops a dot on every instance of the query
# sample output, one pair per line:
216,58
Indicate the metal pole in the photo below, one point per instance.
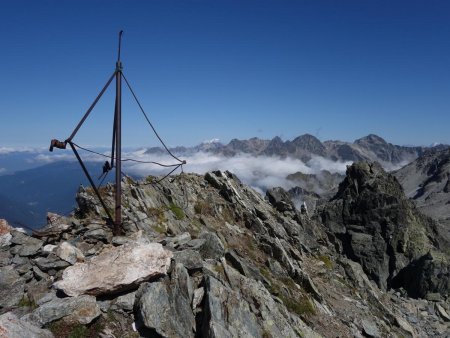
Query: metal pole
118,133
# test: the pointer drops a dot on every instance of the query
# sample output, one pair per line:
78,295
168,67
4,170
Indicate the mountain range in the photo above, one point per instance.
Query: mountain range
304,147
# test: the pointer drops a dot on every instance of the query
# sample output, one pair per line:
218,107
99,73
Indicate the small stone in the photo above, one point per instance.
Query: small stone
49,248
69,253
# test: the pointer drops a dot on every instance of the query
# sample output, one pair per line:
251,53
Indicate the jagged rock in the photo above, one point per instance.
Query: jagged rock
280,199
69,253
13,327
372,222
117,269
11,287
174,317
190,259
81,310
212,247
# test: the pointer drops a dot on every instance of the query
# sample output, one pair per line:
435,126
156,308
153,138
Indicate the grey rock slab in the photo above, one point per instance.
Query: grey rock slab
50,262
11,287
172,299
69,253
30,249
81,310
13,327
116,269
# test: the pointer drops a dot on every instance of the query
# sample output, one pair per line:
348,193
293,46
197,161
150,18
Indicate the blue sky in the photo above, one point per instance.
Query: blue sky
227,69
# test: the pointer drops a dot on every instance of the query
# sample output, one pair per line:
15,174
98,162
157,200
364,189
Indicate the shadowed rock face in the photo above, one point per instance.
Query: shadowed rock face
371,221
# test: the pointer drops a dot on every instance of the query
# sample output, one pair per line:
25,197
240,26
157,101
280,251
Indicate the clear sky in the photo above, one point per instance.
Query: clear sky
227,69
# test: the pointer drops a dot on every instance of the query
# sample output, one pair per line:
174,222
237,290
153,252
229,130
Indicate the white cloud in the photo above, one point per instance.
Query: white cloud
259,172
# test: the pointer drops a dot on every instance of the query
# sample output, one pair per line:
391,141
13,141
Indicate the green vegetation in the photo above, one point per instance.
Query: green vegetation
26,302
302,307
157,214
177,211
149,179
327,261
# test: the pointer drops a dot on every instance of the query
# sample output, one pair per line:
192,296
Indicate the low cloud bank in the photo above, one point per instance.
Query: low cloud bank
260,172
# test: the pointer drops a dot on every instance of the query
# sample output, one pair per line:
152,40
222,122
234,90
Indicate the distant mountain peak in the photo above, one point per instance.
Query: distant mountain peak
370,139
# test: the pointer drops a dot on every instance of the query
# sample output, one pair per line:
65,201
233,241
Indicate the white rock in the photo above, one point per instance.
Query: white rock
5,239
69,253
49,248
116,269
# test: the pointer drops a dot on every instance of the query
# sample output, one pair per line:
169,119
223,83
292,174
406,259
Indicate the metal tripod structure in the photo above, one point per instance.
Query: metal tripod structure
116,148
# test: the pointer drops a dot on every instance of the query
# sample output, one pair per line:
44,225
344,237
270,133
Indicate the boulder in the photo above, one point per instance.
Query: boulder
13,327
280,199
172,299
117,269
76,310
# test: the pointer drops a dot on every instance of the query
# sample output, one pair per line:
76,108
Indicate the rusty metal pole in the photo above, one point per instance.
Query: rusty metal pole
118,132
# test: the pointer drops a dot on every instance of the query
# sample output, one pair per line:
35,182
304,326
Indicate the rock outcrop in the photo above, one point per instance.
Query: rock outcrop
372,222
207,256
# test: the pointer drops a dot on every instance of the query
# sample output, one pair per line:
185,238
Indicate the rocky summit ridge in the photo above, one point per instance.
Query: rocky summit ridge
207,256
